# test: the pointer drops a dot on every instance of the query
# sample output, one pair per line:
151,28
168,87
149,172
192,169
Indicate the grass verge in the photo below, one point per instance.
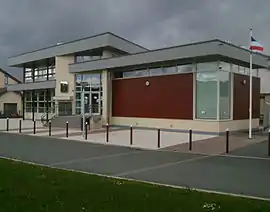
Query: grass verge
25,187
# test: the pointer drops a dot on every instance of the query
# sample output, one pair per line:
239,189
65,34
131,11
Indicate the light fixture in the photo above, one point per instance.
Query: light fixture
147,83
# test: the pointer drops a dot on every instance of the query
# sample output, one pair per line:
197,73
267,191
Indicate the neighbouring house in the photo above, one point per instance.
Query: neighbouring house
10,101
203,86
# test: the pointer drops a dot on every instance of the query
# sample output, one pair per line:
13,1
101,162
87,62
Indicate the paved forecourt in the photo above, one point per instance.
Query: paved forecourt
238,174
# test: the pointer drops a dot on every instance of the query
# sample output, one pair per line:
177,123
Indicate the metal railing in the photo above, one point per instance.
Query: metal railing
48,116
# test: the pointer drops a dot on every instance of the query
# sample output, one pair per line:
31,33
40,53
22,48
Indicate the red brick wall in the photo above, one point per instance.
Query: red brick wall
168,97
241,97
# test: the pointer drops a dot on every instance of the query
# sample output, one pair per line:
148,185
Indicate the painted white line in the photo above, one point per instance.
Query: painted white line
162,166
139,181
245,157
218,155
96,158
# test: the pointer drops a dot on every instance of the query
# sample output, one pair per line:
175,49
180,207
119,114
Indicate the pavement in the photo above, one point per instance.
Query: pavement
141,138
244,171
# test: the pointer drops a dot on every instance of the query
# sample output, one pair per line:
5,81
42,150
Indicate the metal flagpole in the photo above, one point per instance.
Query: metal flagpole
250,90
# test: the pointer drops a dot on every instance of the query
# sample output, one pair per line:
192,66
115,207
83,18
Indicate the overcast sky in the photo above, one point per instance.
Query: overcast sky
30,24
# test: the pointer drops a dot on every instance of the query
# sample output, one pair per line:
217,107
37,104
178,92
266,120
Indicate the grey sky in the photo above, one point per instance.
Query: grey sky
31,24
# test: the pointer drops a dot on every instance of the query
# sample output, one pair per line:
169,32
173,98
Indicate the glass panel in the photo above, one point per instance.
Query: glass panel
225,66
34,97
206,95
235,68
41,96
95,102
170,70
224,94
242,70
78,104
212,66
28,96
78,111
78,78
186,68
41,104
139,73
41,110
78,96
155,71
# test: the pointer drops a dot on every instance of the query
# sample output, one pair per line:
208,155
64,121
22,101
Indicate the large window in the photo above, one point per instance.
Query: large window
92,96
206,95
28,75
39,101
224,90
156,71
40,72
213,90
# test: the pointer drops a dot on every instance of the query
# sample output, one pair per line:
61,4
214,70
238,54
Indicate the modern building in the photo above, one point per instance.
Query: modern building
203,86
10,102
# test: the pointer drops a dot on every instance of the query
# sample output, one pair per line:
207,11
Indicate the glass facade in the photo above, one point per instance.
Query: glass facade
92,93
206,91
224,90
156,71
39,101
39,73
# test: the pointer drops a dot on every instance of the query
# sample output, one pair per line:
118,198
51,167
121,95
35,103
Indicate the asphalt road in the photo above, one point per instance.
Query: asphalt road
246,173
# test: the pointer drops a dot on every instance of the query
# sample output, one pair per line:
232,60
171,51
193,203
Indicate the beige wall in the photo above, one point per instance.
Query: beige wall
197,125
2,80
62,74
107,97
11,97
11,81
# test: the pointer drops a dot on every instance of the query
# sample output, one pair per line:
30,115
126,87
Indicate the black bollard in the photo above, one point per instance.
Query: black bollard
107,132
190,139
86,131
131,135
67,129
50,128
269,142
227,140
7,124
34,130
20,126
158,138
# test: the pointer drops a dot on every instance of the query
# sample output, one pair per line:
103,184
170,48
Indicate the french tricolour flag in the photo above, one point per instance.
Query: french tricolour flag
255,46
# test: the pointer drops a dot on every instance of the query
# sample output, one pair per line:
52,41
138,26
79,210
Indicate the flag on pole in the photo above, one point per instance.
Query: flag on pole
255,46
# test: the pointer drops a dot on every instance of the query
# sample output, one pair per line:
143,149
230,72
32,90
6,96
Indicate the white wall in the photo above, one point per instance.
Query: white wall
264,74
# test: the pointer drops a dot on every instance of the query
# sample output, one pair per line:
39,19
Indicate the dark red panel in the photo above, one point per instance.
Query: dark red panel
166,97
241,97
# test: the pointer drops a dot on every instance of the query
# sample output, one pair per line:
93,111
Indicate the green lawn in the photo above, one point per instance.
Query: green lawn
26,187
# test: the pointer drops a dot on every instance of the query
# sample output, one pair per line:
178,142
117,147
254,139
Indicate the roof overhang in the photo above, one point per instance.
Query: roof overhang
191,52
32,86
105,40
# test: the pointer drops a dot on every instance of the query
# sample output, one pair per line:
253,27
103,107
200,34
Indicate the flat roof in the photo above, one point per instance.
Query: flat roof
211,48
103,40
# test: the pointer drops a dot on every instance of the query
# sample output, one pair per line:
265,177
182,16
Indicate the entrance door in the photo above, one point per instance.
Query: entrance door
95,102
10,109
87,103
